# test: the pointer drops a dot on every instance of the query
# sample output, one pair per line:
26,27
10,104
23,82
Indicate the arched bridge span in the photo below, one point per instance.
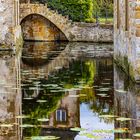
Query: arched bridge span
40,23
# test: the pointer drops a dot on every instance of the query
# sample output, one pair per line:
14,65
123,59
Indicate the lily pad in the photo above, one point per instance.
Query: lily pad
6,125
26,125
102,95
28,98
121,91
137,135
89,135
33,88
45,138
82,95
22,117
102,131
121,130
124,119
41,101
124,139
105,83
43,120
103,89
77,129
74,96
107,116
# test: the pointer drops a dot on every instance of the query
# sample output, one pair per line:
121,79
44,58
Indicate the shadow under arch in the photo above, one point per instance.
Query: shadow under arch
36,27
39,54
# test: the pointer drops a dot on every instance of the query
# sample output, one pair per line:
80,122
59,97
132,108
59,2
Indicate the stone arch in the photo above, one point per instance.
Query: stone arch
36,27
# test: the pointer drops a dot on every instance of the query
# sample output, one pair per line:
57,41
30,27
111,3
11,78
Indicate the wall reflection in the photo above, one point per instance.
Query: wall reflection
57,86
10,97
55,90
127,106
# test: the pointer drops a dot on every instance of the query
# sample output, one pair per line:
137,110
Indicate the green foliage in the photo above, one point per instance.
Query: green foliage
81,10
77,10
103,8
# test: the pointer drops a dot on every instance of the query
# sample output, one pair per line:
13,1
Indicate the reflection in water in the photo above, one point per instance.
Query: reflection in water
10,98
66,92
127,106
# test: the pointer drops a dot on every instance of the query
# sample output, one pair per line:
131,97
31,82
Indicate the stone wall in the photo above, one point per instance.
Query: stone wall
9,21
72,31
91,33
10,99
126,37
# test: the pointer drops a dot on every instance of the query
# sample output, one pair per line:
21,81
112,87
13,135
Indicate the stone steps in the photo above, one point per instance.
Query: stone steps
58,19
63,22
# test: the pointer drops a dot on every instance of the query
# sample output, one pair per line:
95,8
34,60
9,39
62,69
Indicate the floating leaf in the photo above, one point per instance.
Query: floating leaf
124,119
26,125
121,91
105,83
73,96
33,88
137,135
89,135
33,78
107,116
6,125
102,95
41,101
28,98
102,131
77,129
124,139
121,130
45,138
82,95
103,89
43,120
54,91
22,117
37,82
107,79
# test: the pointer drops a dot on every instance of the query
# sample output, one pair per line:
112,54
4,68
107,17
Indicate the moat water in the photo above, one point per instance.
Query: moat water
66,91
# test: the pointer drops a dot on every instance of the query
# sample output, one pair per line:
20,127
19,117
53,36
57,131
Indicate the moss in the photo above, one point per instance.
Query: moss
4,47
19,44
123,64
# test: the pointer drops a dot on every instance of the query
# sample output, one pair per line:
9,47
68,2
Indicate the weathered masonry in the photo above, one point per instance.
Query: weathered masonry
127,36
10,31
21,19
40,23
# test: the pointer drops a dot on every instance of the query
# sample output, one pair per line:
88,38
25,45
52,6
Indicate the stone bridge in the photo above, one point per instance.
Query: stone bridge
43,24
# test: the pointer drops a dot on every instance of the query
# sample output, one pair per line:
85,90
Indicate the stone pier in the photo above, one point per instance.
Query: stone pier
10,33
127,36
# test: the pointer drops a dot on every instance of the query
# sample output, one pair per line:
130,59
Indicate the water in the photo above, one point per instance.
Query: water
66,91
